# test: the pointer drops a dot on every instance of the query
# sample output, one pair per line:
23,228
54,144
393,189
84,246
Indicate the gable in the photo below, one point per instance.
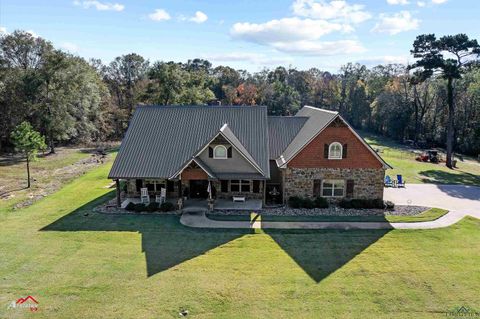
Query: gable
358,154
236,164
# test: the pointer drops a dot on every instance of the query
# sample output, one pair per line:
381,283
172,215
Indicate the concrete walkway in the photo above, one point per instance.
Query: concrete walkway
461,201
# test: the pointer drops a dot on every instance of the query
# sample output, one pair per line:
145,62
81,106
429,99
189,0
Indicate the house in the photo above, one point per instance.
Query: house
225,151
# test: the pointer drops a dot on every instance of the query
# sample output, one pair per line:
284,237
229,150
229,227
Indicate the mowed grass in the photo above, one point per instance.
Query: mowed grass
82,264
403,162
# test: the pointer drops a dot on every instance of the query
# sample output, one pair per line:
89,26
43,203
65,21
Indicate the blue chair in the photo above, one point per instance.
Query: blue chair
388,181
400,181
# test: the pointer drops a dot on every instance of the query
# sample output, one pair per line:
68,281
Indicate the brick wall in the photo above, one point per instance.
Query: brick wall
358,155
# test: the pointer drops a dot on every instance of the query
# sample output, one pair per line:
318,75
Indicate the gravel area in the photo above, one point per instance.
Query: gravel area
400,210
110,207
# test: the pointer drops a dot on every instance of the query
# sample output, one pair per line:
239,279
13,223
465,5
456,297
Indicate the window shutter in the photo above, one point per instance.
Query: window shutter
344,152
256,186
229,152
170,186
210,152
317,184
138,184
350,186
325,151
224,186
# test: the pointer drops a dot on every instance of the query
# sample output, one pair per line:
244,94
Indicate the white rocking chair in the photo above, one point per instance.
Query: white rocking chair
144,197
162,197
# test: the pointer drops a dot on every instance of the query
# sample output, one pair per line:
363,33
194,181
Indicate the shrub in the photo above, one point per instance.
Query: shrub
167,207
308,203
295,202
321,202
361,203
130,206
139,207
153,206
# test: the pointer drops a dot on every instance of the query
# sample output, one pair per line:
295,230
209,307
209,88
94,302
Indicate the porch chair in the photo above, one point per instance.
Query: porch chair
162,197
388,181
400,181
144,197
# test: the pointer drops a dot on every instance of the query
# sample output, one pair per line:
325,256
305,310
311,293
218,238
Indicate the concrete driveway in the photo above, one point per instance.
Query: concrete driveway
465,199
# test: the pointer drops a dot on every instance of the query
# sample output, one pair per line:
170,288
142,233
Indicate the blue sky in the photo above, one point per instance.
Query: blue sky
246,34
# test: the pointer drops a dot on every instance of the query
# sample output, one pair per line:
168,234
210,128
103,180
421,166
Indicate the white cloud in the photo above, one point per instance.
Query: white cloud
395,2
386,59
33,34
199,17
159,15
439,1
320,48
396,23
69,46
254,58
285,30
101,6
421,4
3,30
333,10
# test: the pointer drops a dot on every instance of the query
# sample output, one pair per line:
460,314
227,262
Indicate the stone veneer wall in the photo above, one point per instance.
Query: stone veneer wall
368,182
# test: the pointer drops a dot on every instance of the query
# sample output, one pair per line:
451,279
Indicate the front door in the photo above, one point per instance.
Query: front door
198,188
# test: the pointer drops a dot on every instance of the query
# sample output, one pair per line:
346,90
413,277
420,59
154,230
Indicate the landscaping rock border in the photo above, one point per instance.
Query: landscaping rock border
109,207
400,210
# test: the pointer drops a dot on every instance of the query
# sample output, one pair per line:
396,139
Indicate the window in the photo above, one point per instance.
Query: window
220,152
237,185
333,188
335,151
154,185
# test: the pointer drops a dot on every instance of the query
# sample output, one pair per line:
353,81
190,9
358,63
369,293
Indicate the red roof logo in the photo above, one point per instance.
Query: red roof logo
27,302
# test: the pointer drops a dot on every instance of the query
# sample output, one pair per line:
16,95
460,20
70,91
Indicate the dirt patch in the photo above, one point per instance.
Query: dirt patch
48,175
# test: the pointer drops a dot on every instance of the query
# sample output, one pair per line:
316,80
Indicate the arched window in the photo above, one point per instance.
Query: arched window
220,152
335,151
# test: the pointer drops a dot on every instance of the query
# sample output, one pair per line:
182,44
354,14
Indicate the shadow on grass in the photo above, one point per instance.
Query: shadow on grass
320,253
166,243
445,177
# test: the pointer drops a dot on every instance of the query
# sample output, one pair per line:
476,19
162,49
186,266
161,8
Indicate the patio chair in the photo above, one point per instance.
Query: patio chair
144,197
162,197
400,181
388,181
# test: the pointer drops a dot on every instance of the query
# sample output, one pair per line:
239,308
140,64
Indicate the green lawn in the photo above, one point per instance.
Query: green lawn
403,162
81,264
428,215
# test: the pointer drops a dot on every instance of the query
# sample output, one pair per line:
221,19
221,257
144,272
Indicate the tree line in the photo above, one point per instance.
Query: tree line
433,102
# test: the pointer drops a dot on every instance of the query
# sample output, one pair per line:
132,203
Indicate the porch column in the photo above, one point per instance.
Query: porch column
117,184
264,192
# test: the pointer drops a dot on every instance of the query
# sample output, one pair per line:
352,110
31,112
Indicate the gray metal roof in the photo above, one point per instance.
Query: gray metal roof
281,131
317,120
160,139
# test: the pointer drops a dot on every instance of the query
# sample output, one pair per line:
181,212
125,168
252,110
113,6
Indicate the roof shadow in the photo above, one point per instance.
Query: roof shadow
165,242
321,252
